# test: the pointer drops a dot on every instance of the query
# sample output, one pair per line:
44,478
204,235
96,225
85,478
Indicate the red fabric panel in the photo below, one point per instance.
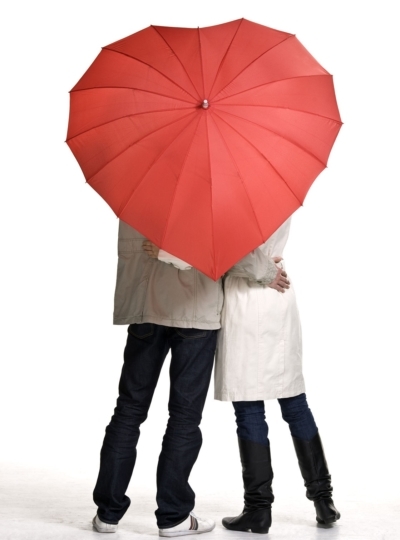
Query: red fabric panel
313,93
287,60
193,241
235,224
116,179
94,108
148,47
114,70
99,146
314,134
277,181
251,43
215,42
149,206
185,45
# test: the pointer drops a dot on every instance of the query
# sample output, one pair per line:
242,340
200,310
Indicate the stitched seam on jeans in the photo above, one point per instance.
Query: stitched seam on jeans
145,335
191,337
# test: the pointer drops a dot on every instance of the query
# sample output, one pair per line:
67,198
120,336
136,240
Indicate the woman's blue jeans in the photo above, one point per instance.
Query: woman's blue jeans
252,425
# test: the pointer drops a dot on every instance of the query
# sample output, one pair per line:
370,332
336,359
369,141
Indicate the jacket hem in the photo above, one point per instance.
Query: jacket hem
175,323
258,396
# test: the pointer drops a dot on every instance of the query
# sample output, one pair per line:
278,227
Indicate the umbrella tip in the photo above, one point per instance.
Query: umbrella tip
205,104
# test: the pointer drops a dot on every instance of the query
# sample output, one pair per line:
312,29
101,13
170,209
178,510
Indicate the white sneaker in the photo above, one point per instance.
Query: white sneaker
191,525
103,527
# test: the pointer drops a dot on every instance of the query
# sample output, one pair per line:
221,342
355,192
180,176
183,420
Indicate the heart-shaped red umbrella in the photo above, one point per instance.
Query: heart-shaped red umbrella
205,140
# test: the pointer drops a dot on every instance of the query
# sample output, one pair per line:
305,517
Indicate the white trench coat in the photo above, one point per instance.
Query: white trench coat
259,353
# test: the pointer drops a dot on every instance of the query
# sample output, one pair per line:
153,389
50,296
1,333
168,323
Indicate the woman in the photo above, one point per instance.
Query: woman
259,357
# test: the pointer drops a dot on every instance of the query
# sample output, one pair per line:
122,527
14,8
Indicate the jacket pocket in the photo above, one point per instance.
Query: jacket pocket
141,330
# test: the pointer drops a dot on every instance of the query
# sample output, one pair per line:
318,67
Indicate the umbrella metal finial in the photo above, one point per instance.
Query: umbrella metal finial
205,104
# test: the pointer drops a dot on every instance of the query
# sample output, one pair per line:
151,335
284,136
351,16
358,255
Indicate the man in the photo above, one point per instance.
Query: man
167,309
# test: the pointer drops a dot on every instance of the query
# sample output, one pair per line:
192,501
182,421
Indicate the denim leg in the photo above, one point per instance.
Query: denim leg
145,351
250,420
190,373
296,413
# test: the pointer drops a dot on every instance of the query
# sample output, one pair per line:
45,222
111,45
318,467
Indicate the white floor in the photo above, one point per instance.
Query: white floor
44,505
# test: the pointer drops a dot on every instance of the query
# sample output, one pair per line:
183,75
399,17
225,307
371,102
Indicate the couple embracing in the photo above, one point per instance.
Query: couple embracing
250,318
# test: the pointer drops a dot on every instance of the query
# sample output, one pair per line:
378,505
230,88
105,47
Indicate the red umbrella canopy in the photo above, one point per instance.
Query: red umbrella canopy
204,139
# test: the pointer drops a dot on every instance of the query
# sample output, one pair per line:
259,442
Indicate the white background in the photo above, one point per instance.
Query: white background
60,354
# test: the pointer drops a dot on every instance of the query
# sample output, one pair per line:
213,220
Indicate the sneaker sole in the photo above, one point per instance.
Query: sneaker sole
184,533
101,530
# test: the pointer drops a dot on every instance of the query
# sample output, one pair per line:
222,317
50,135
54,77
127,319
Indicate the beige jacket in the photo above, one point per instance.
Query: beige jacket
148,290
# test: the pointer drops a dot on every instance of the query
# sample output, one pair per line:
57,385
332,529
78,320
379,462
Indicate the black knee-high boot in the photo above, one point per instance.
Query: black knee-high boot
317,479
258,496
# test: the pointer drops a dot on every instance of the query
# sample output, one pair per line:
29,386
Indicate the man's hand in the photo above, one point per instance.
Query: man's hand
151,249
280,282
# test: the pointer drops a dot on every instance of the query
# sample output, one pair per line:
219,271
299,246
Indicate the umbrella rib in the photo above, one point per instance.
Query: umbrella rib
226,52
275,133
268,83
177,57
133,144
201,61
283,108
130,88
177,182
152,165
240,176
265,157
125,116
211,194
150,66
252,62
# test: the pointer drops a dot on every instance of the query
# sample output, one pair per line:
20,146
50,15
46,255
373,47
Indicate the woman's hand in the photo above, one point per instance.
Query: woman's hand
280,283
151,249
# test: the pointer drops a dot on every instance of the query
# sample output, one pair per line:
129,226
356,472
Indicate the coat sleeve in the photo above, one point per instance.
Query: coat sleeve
256,267
165,257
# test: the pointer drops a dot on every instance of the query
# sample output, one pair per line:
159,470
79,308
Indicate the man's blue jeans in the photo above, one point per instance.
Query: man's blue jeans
252,426
192,356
